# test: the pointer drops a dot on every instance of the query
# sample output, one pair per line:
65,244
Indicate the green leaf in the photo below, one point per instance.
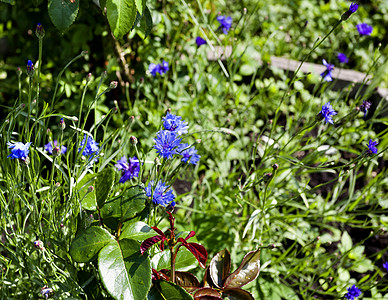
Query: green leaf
184,261
237,294
220,267
89,201
145,25
140,5
88,243
122,208
167,290
346,242
138,231
246,272
63,13
12,2
104,184
121,16
125,273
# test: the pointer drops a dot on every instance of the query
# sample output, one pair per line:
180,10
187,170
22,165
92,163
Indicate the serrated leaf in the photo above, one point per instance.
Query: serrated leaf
184,260
104,184
122,208
126,273
138,231
246,272
220,267
121,16
63,13
237,294
89,201
163,290
140,5
88,243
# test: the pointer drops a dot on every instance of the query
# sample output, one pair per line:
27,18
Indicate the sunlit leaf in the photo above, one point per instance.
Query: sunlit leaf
220,267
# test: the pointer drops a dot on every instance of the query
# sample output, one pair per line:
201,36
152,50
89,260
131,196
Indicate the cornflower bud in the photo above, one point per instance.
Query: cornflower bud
30,68
56,151
39,244
275,166
39,31
62,124
24,161
57,184
133,140
90,189
19,71
113,85
22,106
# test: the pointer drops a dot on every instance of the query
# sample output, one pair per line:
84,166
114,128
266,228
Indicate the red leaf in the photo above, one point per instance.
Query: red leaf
151,241
206,293
158,231
191,234
198,251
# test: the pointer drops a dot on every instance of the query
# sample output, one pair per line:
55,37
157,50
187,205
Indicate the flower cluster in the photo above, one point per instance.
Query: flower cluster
327,112
89,147
372,147
19,150
353,293
54,146
225,23
158,68
160,193
130,168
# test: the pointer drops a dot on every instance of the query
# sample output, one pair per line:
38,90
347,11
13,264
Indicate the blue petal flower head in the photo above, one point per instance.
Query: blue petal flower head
327,73
353,8
353,293
385,265
30,68
164,67
225,23
161,195
365,106
372,147
189,154
200,41
166,143
343,59
154,69
91,147
130,168
175,123
364,29
327,112
19,150
49,147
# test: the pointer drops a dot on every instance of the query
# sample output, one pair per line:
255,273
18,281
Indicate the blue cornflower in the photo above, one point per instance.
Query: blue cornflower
365,106
372,147
353,8
385,265
130,169
39,31
175,124
164,67
327,73
353,293
364,29
166,143
91,147
161,193
19,150
49,147
343,59
200,41
225,23
30,68
327,112
189,154
154,69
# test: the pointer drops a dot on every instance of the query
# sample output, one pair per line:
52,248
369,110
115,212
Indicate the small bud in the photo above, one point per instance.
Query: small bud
318,237
48,130
62,225
133,140
132,118
90,189
39,244
273,246
22,106
56,151
62,124
83,157
30,68
24,162
46,291
330,278
275,166
34,102
6,121
198,141
169,109
39,31
83,53
245,10
113,85
267,177
19,71
157,161
89,77
141,80
57,184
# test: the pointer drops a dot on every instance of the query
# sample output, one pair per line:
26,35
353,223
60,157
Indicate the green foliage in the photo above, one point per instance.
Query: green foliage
63,12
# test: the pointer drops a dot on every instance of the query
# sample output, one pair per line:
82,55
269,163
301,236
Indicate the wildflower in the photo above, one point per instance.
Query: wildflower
365,106
19,150
62,124
130,168
353,7
364,29
91,147
49,147
372,147
225,23
200,41
189,154
46,291
39,31
166,143
161,193
164,67
175,124
39,245
342,58
327,73
327,112
353,293
385,265
30,68
154,69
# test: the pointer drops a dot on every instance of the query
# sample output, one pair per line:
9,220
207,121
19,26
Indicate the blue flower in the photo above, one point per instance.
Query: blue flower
353,293
385,265
164,67
327,73
342,58
91,147
225,23
166,143
189,154
365,106
364,29
129,169
49,147
30,68
161,193
353,8
175,124
372,147
154,69
327,112
200,41
19,150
